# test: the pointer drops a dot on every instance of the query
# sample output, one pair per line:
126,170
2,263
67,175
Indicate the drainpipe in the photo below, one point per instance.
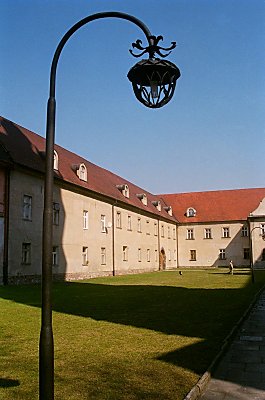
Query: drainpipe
158,243
113,239
6,227
177,239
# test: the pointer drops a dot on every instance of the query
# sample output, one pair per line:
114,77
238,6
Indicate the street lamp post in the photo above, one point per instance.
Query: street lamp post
251,252
153,82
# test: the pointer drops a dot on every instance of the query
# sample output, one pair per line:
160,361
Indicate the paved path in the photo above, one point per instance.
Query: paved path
241,373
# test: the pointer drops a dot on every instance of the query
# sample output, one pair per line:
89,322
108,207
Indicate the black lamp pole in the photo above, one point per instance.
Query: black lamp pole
154,85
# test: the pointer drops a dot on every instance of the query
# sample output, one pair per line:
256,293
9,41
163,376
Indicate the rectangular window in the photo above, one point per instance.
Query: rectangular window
103,256
148,255
222,254
246,254
139,228
155,229
156,255
192,255
125,253
129,224
168,232
55,214
103,223
169,255
85,255
174,234
26,253
55,256
147,227
85,219
139,255
262,228
27,207
226,233
244,231
118,220
190,234
162,231
207,233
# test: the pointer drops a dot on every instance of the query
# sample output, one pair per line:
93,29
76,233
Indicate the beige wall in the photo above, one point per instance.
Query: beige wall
257,227
70,237
143,241
21,230
207,250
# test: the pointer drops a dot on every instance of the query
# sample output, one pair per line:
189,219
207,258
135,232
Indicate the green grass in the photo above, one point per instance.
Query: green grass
136,337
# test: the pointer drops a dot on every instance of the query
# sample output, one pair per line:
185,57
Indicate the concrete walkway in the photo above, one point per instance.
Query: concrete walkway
241,373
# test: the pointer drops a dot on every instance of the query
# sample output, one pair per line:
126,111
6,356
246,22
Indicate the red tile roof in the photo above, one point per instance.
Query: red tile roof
28,149
214,206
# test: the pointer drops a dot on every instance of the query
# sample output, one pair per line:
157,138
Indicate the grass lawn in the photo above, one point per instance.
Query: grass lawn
134,337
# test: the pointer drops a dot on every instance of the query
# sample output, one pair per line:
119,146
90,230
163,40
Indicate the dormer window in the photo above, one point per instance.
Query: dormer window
124,189
157,204
82,172
191,212
143,198
168,210
55,160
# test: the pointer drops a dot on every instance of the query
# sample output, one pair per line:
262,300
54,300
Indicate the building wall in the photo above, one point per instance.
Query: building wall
83,249
257,231
208,249
142,237
2,213
21,230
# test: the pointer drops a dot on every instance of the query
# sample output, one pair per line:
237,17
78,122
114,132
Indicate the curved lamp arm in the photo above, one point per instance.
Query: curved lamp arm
71,31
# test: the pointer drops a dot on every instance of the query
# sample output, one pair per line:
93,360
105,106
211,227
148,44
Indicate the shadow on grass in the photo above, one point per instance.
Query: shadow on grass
7,383
205,314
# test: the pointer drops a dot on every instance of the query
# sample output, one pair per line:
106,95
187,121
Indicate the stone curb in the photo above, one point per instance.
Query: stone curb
198,389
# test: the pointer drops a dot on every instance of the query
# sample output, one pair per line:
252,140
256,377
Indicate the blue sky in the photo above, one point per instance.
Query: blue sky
209,137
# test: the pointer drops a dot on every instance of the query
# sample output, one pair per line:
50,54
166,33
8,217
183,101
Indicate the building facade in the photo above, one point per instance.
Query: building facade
104,225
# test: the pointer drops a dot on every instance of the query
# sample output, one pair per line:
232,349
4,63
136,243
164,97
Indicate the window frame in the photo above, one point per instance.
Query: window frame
84,255
103,256
118,220
148,255
56,214
55,160
26,253
190,234
244,231
193,255
85,219
27,208
125,252
139,225
222,255
246,253
208,233
129,223
103,227
55,256
226,232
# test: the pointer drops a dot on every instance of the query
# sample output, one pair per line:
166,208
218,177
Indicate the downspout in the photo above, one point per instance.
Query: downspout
113,239
6,227
177,238
158,242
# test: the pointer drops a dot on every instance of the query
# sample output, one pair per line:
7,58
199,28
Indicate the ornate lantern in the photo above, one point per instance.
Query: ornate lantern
153,80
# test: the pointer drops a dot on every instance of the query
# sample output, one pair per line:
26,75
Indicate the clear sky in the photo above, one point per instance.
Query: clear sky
211,135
